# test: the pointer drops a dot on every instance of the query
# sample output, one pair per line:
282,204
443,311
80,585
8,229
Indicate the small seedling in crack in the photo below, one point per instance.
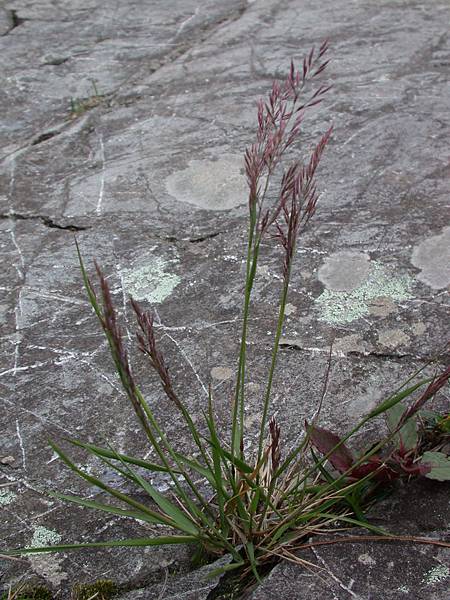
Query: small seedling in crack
79,106
257,500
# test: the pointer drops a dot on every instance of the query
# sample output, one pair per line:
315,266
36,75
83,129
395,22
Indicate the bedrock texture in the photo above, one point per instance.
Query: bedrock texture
124,124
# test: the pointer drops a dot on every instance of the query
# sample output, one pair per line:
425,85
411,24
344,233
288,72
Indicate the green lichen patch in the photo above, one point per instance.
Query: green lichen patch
103,589
436,575
343,307
151,282
6,497
44,537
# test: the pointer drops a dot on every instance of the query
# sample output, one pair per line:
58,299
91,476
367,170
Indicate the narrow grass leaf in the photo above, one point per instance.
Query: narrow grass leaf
195,466
355,522
237,462
106,453
393,400
183,522
327,476
250,549
88,286
138,515
161,518
156,541
220,570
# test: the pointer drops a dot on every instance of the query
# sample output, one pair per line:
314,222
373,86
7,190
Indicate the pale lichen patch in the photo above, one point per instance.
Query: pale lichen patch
432,257
290,309
49,567
392,338
222,373
344,271
350,343
436,575
7,497
46,564
210,184
382,307
338,307
367,560
44,537
151,282
419,328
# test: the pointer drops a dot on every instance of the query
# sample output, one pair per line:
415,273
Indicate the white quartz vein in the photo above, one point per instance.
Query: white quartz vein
21,444
98,208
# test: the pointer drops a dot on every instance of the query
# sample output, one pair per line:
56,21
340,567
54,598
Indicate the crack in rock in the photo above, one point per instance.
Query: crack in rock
45,220
193,240
43,137
13,21
292,344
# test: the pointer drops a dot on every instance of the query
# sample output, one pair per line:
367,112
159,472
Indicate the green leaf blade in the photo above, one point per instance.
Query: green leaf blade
439,463
130,542
407,435
393,400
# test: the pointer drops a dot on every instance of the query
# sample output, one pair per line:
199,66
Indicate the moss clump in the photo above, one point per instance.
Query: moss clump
28,592
103,589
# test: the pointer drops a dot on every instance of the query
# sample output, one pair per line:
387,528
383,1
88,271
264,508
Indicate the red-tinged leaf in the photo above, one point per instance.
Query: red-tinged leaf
381,471
416,469
424,469
326,443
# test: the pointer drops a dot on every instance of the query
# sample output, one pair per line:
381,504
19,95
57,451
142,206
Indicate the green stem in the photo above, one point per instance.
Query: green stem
273,363
238,407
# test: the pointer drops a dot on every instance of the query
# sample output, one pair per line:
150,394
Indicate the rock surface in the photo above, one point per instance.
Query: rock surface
124,123
375,570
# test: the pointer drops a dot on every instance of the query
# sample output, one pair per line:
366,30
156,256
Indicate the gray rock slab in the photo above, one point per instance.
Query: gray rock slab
123,124
364,570
195,585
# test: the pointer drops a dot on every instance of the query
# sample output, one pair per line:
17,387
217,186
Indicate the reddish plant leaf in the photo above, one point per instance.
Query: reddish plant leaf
383,473
322,439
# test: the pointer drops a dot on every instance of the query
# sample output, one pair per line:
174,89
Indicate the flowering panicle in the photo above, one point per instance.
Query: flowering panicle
147,345
280,118
113,333
279,121
297,201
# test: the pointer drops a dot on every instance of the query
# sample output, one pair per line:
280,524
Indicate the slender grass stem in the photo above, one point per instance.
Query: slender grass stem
273,362
239,396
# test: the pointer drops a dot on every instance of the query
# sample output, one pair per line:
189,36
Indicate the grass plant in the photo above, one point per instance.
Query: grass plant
264,504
